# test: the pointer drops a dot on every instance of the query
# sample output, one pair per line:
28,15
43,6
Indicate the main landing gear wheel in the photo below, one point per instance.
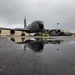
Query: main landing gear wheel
23,34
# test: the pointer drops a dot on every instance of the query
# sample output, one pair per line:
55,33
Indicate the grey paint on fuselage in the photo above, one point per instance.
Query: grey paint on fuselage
35,26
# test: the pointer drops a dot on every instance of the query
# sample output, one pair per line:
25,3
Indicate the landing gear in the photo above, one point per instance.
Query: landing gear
22,34
0,31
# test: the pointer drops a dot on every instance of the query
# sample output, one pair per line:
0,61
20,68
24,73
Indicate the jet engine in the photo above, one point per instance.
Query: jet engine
12,32
55,32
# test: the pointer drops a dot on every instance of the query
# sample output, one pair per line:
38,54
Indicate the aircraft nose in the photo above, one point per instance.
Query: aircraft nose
41,25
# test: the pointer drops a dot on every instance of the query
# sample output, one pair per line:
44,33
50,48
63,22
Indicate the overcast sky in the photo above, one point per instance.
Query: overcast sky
51,12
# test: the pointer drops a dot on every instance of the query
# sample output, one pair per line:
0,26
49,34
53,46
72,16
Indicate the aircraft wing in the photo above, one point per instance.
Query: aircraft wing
5,28
15,29
22,29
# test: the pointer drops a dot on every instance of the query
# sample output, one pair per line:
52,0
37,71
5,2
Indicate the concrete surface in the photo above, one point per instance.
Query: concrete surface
14,60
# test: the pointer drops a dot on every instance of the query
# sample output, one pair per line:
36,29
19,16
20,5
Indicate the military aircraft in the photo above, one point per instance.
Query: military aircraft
34,27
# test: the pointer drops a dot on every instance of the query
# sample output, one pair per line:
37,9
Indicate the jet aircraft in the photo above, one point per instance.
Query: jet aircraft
34,27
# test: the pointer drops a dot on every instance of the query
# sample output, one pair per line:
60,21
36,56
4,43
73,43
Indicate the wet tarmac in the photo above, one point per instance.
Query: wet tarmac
37,56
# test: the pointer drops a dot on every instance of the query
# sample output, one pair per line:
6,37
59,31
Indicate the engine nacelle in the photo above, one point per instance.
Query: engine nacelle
12,32
55,32
58,32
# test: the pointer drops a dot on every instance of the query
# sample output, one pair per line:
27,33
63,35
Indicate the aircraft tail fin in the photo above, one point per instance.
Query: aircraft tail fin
24,22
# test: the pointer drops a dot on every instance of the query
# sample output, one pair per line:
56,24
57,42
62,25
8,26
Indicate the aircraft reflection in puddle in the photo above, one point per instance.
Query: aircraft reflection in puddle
36,44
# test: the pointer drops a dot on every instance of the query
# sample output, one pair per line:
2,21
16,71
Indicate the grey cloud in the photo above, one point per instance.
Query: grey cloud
11,11
49,11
